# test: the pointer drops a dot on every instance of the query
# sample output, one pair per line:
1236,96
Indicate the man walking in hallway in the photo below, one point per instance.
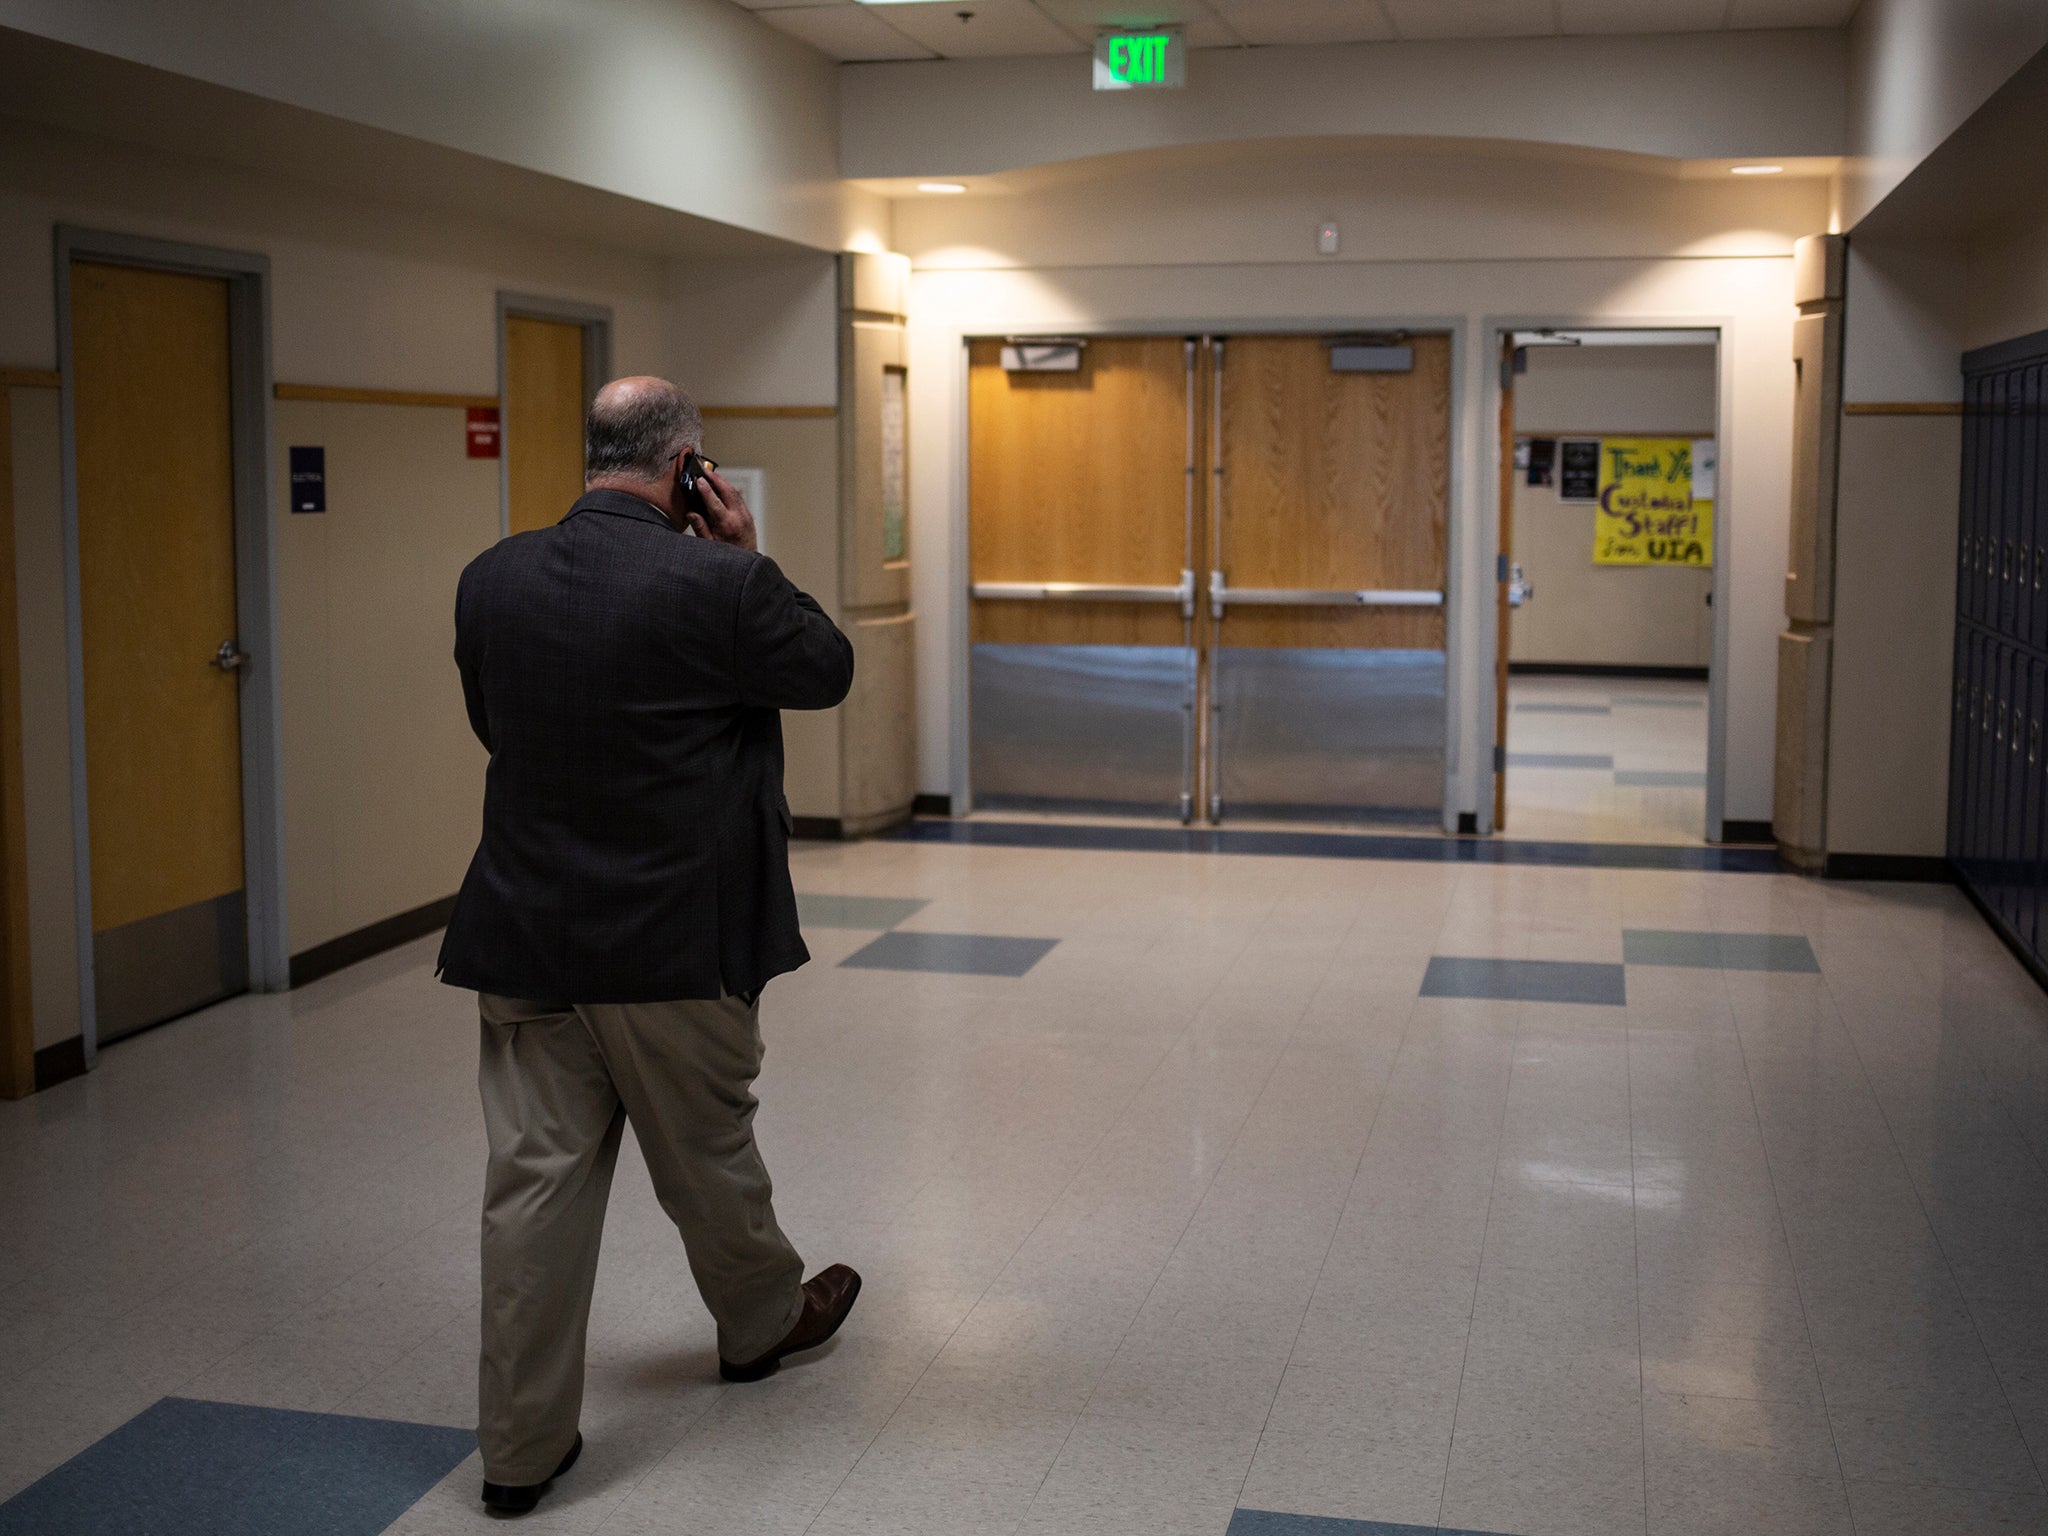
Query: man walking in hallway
628,901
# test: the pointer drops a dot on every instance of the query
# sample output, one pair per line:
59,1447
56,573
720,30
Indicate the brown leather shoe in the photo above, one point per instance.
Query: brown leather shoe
828,1297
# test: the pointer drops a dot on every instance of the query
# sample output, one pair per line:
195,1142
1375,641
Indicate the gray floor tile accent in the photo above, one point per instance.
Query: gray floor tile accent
821,910
1269,1522
1562,709
1658,778
958,954
1527,981
190,1468
1560,760
1718,951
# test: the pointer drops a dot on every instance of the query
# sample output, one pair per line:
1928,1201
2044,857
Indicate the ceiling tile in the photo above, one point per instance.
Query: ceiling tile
992,27
849,33
1084,16
1472,18
1745,14
1642,15
1306,21
1209,32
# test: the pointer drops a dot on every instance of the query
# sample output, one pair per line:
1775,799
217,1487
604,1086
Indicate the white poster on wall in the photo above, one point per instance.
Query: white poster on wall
752,484
1703,465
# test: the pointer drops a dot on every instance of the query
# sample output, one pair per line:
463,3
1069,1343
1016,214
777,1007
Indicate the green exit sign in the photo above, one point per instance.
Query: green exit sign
1149,60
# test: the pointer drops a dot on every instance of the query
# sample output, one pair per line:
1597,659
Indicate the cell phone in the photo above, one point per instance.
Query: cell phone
690,470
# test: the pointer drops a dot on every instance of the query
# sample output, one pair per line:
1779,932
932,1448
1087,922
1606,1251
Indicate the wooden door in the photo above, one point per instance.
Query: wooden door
1327,672
156,564
1082,479
545,393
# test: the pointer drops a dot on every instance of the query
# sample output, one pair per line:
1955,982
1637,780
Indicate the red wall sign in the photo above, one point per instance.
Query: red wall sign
483,431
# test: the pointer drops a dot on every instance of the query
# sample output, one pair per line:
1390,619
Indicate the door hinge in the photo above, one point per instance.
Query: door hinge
1500,567
1500,758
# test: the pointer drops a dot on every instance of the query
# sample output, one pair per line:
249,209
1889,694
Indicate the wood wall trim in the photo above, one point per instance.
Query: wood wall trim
1902,408
768,412
17,1014
31,378
342,395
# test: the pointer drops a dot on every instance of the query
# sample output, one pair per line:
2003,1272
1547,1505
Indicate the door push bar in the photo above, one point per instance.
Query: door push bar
1221,594
1090,592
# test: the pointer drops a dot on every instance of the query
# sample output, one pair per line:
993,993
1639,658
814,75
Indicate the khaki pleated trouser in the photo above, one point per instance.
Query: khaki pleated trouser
559,1086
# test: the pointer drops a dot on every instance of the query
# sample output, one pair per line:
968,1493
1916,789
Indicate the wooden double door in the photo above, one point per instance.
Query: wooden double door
1208,574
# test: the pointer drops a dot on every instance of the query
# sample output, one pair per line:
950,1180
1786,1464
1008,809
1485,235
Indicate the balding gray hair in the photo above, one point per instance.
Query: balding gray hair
641,433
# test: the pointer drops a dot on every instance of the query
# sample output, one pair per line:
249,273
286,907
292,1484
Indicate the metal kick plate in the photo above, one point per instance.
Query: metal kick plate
159,967
1079,725
1315,732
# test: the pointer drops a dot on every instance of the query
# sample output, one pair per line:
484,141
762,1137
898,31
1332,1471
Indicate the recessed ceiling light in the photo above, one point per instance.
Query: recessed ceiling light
941,186
1754,170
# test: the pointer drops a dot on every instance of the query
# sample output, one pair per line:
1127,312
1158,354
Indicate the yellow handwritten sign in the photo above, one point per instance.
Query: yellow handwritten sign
1648,514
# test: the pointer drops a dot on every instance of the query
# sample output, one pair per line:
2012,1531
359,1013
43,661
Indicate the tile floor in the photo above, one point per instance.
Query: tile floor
1607,760
1208,1222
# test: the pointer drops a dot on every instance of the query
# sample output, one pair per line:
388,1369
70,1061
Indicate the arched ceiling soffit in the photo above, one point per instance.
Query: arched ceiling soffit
1242,161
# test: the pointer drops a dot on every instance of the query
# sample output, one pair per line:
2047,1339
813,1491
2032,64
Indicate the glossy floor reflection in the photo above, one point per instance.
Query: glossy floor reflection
1607,759
1210,1210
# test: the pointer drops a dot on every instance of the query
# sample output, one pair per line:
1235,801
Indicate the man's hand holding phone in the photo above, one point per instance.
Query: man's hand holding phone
722,512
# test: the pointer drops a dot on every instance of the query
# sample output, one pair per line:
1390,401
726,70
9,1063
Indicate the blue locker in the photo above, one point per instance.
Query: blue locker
2007,457
2026,430
1976,732
1998,788
2037,507
1970,553
2027,921
1998,747
1959,739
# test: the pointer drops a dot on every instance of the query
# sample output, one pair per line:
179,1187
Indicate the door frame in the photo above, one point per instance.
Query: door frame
959,565
1492,329
256,604
595,321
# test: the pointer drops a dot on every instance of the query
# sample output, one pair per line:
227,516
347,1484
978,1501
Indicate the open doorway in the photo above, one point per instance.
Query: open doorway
1608,483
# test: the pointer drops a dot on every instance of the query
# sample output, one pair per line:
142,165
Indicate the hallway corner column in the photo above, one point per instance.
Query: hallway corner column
1806,645
877,723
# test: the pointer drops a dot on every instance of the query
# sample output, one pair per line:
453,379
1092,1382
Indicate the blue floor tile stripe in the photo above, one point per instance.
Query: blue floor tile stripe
1267,1522
1719,951
956,954
1526,981
1399,848
1600,761
183,1467
832,910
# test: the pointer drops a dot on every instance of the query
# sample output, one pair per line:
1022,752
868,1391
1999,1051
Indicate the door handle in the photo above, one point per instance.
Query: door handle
230,657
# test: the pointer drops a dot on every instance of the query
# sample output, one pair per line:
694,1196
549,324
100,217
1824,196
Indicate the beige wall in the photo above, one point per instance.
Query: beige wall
687,104
1719,95
362,293
1164,278
1582,612
800,458
2008,277
1895,552
1917,70
757,332
383,778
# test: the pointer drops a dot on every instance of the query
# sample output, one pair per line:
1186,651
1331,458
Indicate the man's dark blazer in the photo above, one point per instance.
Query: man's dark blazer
625,678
